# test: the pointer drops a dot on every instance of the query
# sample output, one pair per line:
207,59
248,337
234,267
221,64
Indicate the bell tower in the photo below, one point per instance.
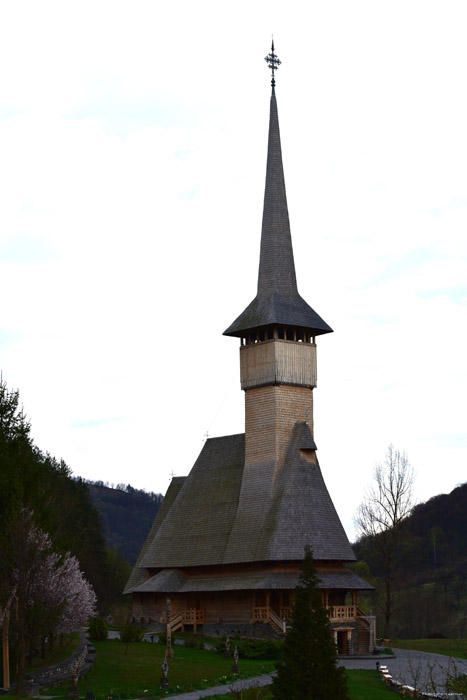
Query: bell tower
278,329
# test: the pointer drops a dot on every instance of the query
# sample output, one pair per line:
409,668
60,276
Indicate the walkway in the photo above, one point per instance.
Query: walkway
223,689
415,668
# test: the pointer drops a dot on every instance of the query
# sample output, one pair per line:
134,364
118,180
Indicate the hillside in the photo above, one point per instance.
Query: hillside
127,515
430,574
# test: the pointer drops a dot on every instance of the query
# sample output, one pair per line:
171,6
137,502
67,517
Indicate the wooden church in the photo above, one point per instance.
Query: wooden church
227,543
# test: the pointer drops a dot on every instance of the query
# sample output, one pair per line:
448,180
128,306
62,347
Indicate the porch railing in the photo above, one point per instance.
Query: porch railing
188,616
342,612
267,615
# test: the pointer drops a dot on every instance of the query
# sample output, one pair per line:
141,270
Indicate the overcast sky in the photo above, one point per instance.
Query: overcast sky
132,159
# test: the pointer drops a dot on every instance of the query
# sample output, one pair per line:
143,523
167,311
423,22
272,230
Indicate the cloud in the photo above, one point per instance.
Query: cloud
133,146
95,423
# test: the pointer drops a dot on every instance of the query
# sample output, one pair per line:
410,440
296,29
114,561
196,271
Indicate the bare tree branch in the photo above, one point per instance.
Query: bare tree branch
381,515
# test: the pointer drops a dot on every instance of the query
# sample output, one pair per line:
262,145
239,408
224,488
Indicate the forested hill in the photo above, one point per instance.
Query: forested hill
127,515
429,568
440,525
435,537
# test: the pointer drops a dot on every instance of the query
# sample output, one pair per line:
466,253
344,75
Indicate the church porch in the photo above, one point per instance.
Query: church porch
253,613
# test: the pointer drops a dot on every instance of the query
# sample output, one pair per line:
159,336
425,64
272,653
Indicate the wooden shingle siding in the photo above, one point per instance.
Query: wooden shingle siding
271,413
278,362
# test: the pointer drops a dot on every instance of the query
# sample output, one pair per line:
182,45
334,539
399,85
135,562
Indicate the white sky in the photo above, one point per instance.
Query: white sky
132,159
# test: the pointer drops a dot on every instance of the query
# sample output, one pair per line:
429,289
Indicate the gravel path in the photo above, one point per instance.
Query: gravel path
416,668
223,689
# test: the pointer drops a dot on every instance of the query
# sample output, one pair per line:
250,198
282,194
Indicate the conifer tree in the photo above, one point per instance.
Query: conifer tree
309,668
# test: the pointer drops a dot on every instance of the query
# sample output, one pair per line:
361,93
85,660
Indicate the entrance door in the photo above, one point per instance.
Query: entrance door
275,602
342,645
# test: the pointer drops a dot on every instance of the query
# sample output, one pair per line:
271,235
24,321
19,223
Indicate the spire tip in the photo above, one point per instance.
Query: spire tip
273,63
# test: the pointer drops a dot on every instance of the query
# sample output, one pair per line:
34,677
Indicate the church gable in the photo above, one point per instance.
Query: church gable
139,573
284,507
197,527
303,512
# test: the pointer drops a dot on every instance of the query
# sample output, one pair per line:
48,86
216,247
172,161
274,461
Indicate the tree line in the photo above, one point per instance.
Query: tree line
126,514
55,568
414,555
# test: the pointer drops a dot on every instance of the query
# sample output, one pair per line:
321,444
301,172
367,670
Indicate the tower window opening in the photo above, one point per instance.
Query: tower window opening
300,336
289,334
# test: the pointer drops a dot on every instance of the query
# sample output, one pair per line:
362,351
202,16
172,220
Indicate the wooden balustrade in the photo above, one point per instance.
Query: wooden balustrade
337,613
266,614
188,616
260,614
192,616
342,612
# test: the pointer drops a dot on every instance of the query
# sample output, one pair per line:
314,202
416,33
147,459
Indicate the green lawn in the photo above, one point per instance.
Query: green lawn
367,685
449,647
363,685
59,652
138,673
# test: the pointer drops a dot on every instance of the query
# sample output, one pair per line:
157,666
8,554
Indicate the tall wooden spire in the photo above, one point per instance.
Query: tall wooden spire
277,301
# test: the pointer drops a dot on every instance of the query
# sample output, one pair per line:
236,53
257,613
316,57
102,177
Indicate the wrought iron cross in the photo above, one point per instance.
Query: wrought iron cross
273,63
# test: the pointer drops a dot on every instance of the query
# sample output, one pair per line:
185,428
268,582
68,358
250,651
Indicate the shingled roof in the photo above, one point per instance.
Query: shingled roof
276,523
223,514
176,581
197,527
139,573
277,301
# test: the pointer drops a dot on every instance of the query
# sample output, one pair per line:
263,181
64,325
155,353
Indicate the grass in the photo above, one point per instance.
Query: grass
448,647
367,685
138,673
363,685
59,653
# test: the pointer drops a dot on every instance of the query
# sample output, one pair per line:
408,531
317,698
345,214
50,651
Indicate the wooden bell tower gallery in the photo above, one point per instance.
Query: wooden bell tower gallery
227,543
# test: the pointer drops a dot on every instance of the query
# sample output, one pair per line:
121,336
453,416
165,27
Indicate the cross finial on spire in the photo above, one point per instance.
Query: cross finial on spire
273,63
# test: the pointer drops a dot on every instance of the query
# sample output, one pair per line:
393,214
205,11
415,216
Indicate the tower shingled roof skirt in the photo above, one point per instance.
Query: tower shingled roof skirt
277,301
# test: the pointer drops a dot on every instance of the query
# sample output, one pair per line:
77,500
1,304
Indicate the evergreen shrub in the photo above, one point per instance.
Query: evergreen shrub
308,669
131,633
98,631
252,648
163,638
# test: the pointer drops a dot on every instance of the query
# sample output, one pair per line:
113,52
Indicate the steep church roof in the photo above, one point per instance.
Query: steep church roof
224,513
277,301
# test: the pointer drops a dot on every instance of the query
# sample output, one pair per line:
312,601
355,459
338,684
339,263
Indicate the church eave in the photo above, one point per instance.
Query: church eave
278,310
